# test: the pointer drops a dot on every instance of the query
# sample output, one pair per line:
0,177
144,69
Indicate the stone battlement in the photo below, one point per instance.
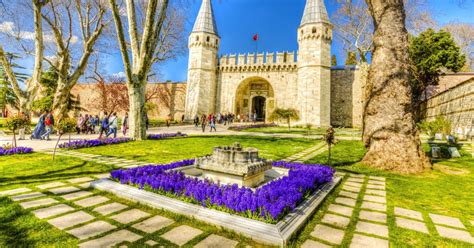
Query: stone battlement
260,61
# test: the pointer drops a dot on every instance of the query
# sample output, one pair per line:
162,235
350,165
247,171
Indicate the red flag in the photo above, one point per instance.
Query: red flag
255,37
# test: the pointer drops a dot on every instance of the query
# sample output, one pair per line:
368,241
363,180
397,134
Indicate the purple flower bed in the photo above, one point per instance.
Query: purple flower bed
269,203
166,135
91,143
243,127
16,150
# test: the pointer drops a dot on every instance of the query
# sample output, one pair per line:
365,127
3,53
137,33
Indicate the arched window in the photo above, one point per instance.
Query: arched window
285,57
302,32
314,30
217,42
208,39
197,38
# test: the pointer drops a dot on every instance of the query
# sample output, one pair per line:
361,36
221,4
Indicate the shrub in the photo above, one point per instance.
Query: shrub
439,125
16,122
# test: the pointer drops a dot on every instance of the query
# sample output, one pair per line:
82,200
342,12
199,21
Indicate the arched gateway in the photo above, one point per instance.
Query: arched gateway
255,95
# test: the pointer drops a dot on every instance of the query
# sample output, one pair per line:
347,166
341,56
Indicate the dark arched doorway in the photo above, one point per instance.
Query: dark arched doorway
258,104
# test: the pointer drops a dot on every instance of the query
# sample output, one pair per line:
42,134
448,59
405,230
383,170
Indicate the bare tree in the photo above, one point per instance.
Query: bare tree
159,31
62,16
463,34
390,133
167,93
27,96
354,25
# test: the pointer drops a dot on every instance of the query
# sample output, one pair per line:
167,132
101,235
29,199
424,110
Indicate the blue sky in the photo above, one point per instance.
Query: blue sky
276,22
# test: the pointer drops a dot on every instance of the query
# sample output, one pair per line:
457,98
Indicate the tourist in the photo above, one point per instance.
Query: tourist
196,121
254,117
182,119
49,124
93,123
85,124
39,129
79,123
203,122
125,124
104,125
113,125
212,123
168,120
22,130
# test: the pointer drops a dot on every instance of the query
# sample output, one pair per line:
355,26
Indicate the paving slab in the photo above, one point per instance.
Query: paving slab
373,198
151,242
50,185
336,220
15,191
153,224
314,244
379,187
110,208
101,176
362,241
351,189
376,192
352,184
27,196
357,175
64,190
91,201
373,182
342,210
70,220
374,206
348,194
329,234
75,195
38,203
80,180
355,180
216,241
181,235
130,216
446,220
346,201
91,229
373,216
85,185
371,228
377,178
52,211
408,213
112,239
412,225
456,234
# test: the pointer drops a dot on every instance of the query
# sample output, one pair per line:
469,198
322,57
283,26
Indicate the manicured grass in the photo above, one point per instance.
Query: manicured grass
304,131
169,150
447,189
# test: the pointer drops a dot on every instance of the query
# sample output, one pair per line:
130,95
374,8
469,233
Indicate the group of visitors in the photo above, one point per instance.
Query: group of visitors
212,120
109,125
44,127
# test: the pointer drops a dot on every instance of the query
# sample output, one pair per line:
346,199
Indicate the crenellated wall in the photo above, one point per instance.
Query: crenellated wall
268,61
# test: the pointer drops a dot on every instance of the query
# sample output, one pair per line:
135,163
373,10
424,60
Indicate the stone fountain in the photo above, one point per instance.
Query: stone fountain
234,165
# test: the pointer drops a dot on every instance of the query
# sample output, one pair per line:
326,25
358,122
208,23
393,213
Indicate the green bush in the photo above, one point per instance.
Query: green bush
439,125
66,125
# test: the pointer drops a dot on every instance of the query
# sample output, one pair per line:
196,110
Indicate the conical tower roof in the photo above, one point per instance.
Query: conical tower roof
315,12
205,21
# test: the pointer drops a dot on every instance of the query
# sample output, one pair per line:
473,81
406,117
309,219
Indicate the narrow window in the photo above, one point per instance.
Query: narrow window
208,39
197,38
314,30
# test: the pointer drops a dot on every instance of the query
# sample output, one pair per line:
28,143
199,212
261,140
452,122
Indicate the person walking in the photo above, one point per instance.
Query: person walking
182,119
196,121
168,120
92,124
203,122
104,125
125,124
39,128
49,124
113,125
80,121
212,123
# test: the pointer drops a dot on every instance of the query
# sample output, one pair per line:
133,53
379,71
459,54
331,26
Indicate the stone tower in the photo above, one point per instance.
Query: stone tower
314,65
202,68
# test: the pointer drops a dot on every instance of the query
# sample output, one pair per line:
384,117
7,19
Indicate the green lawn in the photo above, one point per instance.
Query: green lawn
169,150
347,132
447,189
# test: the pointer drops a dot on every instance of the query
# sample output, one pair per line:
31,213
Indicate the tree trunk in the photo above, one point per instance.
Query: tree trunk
136,93
389,131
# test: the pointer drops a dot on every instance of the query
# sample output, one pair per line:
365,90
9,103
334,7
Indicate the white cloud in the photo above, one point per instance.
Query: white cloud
8,28
119,74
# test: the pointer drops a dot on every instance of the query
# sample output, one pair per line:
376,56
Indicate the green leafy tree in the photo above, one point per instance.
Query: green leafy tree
285,114
431,54
7,95
351,58
15,122
49,83
333,60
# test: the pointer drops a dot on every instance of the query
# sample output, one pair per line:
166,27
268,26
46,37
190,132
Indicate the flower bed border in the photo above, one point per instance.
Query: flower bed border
275,234
15,151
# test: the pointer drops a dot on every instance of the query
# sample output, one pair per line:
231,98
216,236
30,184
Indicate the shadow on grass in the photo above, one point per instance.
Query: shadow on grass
10,232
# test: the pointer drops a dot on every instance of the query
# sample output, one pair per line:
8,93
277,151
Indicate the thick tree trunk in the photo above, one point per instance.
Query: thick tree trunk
136,93
390,133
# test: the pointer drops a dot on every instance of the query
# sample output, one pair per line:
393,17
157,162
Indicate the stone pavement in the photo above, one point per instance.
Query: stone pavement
307,154
360,210
97,221
125,163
